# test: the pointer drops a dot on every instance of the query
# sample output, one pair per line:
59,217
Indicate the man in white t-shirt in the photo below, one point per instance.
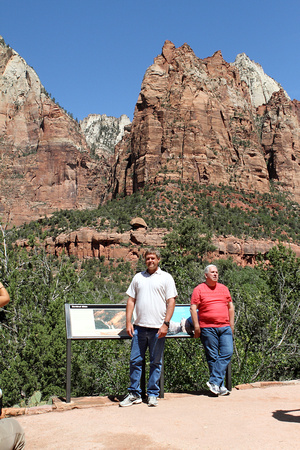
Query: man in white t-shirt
151,295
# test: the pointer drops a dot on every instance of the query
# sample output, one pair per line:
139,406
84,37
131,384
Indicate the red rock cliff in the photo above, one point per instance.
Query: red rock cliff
194,120
45,161
280,138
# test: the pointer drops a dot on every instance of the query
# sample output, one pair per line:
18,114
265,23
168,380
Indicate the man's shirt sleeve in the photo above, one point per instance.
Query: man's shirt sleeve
195,299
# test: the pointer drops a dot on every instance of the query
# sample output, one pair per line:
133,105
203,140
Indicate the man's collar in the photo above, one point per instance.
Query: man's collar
212,286
158,271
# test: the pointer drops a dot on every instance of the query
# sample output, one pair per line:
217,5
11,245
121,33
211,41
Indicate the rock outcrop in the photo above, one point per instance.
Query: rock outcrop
197,120
280,139
87,243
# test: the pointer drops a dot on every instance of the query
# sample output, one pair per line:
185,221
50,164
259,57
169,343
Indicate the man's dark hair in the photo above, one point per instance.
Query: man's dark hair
152,251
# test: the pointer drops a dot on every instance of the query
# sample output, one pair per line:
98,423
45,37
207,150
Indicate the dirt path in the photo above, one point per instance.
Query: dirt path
265,418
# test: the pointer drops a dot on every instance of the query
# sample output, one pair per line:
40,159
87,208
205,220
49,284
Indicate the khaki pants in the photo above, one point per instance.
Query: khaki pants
12,436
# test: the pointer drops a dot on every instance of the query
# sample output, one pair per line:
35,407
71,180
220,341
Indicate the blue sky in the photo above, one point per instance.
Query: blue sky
91,55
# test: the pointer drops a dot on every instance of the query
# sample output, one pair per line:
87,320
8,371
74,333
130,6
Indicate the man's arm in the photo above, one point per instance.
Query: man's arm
194,316
4,296
231,315
129,311
169,313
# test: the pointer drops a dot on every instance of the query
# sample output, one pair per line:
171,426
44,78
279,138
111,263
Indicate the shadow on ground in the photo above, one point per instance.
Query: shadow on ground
287,416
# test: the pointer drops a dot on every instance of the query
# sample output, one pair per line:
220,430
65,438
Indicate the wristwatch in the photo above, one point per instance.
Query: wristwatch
167,323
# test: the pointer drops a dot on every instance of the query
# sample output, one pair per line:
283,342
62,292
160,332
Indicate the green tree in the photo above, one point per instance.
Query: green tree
186,247
281,273
267,320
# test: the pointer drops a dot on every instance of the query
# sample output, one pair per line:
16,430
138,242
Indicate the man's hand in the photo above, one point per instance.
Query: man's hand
194,316
231,316
130,329
129,311
196,333
162,332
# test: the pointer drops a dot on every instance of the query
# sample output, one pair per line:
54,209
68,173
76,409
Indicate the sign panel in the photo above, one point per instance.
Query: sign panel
109,321
180,326
95,321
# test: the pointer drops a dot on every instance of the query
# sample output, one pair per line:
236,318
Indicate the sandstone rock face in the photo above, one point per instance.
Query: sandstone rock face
280,138
88,243
196,120
137,223
45,160
261,86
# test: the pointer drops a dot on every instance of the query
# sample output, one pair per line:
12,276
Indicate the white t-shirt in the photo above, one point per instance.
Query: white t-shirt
151,293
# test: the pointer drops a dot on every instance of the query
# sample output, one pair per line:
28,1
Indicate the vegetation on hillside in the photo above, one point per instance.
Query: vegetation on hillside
32,325
221,210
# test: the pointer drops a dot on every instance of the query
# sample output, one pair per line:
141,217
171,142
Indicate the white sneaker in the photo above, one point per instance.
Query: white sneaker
152,401
131,399
213,388
224,391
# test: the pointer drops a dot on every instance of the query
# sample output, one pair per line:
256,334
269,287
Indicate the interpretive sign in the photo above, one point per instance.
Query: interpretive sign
92,321
95,321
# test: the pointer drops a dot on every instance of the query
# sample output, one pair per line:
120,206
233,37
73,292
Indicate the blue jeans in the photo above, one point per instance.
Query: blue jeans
218,345
142,338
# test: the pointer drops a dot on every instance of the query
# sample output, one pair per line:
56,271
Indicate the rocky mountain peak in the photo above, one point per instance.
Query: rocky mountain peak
45,161
261,86
197,120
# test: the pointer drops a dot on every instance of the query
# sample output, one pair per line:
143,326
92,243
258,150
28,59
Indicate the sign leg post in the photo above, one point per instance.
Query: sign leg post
162,379
228,377
68,386
143,380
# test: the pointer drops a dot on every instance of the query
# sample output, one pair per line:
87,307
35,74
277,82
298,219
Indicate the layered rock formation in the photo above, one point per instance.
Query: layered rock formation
280,139
45,160
197,120
87,243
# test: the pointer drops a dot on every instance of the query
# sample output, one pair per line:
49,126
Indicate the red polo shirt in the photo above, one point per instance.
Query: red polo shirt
212,305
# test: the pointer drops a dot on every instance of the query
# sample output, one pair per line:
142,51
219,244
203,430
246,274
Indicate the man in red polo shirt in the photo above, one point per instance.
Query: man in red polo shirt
212,312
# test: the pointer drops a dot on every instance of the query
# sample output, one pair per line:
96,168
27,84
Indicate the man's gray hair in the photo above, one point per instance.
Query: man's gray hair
206,270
